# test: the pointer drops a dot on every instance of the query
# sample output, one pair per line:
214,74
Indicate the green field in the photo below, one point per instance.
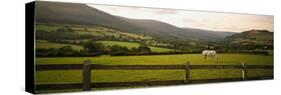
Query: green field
161,59
90,30
60,76
131,40
48,27
131,45
106,43
56,45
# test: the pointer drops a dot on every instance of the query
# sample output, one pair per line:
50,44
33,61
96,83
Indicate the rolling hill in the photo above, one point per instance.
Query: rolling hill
81,14
261,39
208,34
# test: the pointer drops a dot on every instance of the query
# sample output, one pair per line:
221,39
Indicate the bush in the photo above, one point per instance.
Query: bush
144,49
92,47
63,51
119,50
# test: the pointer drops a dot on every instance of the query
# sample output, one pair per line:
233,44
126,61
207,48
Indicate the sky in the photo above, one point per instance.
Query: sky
194,19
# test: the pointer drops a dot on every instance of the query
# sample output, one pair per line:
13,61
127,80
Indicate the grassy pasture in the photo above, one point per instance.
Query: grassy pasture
134,35
61,76
42,44
94,31
48,27
56,45
89,33
131,45
69,76
161,59
125,44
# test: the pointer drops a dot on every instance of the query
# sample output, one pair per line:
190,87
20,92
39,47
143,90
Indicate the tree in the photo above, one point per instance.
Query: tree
134,49
93,47
65,50
119,50
144,49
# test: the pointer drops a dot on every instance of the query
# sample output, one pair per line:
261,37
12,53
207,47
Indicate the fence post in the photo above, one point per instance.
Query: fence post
244,71
187,72
87,75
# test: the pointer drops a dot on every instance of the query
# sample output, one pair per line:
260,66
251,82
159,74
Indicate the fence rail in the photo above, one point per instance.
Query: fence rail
87,67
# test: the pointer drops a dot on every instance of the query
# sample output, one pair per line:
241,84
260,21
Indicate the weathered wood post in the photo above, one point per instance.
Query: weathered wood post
187,72
87,75
244,71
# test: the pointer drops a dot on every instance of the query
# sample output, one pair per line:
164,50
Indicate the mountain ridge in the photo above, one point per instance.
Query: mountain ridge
75,13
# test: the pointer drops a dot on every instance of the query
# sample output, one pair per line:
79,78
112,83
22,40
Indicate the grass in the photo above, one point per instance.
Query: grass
75,76
44,44
70,76
134,35
89,33
56,45
48,27
97,32
125,44
157,49
61,76
161,59
131,45
94,31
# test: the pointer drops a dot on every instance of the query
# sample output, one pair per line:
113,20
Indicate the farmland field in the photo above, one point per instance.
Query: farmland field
67,76
49,28
106,43
56,45
131,45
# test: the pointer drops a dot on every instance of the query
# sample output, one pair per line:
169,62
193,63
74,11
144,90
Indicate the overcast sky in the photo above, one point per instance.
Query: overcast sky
194,19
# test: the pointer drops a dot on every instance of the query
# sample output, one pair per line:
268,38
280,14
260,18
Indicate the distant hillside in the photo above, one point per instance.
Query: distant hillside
208,34
81,14
159,29
259,39
75,13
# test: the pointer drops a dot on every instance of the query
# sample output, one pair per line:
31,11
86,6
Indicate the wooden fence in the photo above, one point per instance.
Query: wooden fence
86,84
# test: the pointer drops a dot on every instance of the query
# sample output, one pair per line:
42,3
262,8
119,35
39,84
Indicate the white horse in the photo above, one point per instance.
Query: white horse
210,54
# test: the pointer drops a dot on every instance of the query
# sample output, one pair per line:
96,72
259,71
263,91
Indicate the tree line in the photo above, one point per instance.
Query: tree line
91,49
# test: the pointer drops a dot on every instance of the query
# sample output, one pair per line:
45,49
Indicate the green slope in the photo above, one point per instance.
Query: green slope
131,45
56,45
